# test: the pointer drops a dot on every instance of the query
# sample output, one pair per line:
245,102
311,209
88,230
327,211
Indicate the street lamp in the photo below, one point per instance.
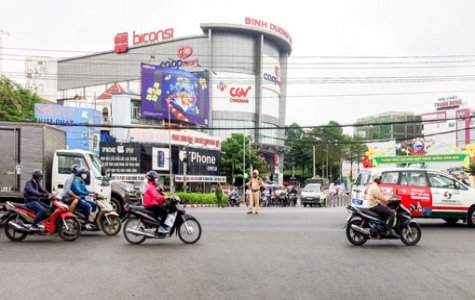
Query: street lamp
170,161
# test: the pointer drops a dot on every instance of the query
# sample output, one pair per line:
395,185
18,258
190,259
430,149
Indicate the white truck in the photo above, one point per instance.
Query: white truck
25,147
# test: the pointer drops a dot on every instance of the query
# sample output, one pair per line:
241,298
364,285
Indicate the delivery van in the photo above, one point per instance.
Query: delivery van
426,193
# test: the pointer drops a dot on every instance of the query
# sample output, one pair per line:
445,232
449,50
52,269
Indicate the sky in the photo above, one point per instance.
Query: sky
350,59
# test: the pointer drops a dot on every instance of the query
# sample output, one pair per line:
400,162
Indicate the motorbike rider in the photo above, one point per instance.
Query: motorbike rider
375,203
78,187
32,194
68,196
153,200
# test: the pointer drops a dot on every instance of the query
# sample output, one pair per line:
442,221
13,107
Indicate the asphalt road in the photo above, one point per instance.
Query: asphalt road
283,253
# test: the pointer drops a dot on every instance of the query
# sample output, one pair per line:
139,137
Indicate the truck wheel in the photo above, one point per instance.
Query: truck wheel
471,217
117,205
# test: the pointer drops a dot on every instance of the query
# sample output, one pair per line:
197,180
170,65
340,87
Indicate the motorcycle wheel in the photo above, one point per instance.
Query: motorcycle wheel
111,225
353,236
411,234
11,233
192,236
71,232
132,238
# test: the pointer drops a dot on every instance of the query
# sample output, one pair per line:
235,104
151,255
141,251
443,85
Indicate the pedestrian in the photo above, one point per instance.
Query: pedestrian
219,196
255,185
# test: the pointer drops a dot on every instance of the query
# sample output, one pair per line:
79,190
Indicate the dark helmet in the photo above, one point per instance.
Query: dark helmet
37,174
74,169
151,175
80,171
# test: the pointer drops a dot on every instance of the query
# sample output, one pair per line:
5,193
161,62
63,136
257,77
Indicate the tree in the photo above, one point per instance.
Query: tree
354,151
16,103
231,157
299,155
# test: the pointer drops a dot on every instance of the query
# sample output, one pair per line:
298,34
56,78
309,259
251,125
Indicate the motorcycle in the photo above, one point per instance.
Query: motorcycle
364,224
59,220
234,200
105,218
293,199
142,223
263,200
283,200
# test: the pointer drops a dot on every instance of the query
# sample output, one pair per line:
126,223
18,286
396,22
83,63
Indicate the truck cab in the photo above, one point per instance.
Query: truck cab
97,182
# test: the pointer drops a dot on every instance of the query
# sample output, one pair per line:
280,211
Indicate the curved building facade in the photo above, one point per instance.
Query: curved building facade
246,65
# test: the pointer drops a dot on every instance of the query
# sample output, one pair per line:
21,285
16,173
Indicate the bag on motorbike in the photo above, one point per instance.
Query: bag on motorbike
67,199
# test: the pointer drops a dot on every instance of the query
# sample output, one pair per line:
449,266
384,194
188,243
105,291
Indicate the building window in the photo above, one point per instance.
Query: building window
135,110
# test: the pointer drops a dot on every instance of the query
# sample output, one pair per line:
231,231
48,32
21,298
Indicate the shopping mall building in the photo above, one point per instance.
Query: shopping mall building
246,66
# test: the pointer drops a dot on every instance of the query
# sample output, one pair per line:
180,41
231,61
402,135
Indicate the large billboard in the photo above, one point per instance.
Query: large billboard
234,92
68,118
178,93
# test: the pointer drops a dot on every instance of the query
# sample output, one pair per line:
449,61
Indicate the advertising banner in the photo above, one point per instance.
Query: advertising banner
201,161
234,92
160,159
178,93
121,157
271,73
77,137
411,159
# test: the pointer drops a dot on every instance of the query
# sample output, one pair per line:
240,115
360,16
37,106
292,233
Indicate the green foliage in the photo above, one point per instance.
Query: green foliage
330,144
231,157
197,198
16,103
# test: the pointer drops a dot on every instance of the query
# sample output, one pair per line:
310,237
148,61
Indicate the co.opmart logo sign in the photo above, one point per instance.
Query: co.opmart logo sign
274,78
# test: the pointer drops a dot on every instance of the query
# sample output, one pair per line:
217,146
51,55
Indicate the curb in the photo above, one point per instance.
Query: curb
199,205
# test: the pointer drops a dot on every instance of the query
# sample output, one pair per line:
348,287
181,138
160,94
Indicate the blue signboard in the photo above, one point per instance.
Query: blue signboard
64,117
178,94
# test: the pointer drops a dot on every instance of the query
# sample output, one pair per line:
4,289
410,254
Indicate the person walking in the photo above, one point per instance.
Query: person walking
254,185
219,196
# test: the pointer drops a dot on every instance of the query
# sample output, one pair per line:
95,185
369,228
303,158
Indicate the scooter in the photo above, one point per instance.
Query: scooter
142,223
60,220
234,200
105,218
364,224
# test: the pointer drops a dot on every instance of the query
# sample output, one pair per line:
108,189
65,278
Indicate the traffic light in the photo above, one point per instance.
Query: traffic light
187,170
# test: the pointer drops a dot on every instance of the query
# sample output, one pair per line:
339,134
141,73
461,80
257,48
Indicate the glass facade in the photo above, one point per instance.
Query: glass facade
401,131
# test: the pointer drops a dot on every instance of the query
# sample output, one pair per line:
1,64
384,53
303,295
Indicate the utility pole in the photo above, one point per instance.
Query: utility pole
313,161
170,151
2,33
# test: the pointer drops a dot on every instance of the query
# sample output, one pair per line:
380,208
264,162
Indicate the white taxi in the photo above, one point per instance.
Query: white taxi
426,193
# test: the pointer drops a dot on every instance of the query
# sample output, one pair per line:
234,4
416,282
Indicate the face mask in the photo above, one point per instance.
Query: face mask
84,176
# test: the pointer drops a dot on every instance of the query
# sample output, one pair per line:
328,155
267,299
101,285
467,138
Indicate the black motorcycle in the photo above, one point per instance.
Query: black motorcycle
364,224
143,223
234,200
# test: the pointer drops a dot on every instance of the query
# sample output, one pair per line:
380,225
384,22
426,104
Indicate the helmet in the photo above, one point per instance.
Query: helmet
74,169
37,174
80,171
151,175
376,176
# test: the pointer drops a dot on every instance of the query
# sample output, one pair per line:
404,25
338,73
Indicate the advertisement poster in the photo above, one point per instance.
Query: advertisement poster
64,117
160,159
234,92
201,161
176,93
120,158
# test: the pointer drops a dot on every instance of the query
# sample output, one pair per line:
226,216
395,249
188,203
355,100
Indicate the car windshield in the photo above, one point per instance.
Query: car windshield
96,163
312,188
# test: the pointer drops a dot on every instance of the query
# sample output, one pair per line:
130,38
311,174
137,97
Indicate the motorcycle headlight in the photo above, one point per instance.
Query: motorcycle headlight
129,189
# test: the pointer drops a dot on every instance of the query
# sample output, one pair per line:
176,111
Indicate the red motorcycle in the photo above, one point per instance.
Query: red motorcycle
59,220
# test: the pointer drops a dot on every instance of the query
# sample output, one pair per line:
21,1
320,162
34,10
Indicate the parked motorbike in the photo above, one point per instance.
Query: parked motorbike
142,223
105,218
364,224
234,200
59,220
